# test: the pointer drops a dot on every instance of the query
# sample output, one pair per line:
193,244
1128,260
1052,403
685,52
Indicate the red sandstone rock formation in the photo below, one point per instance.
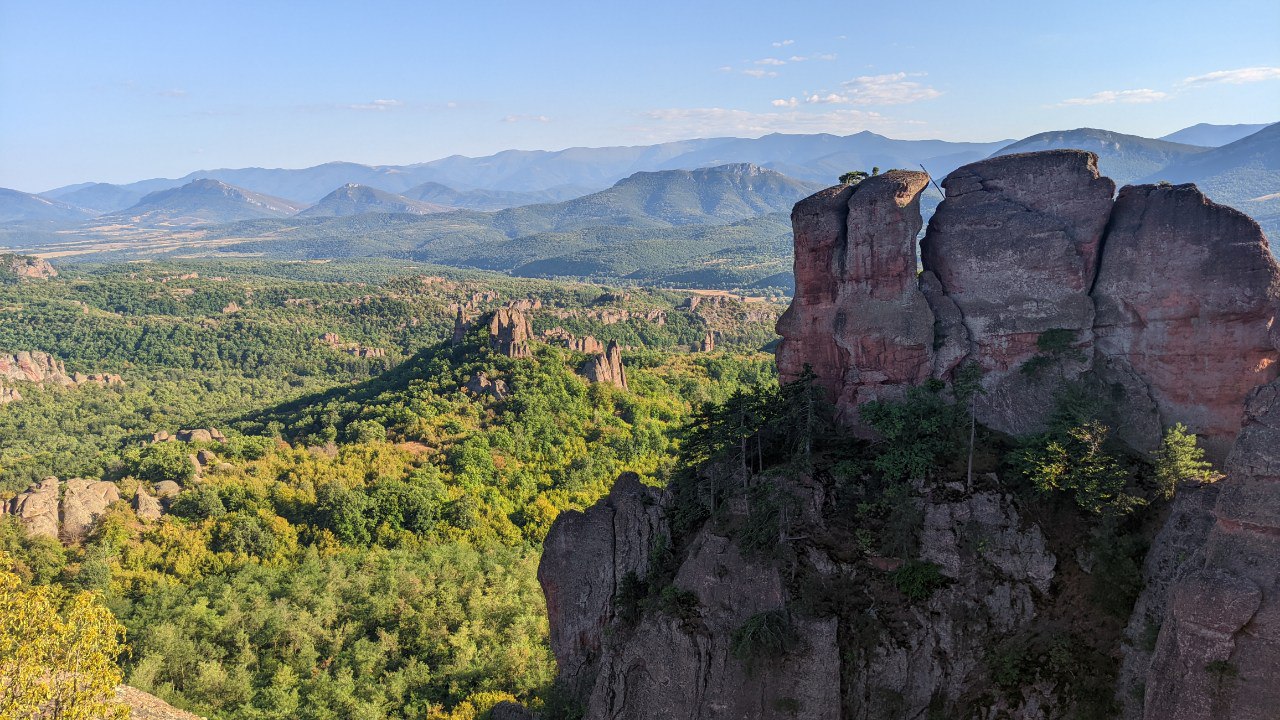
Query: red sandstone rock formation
1218,652
509,333
858,317
1187,297
1015,246
607,367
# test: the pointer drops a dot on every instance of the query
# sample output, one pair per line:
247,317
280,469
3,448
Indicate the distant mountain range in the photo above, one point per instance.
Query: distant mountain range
201,202
1123,158
519,177
1207,135
17,206
716,218
353,199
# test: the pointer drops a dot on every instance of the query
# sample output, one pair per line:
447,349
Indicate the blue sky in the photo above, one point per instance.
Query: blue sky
120,91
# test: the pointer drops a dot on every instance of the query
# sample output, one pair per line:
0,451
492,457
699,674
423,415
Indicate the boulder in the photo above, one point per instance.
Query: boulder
481,384
1187,298
607,367
147,508
198,435
8,395
1015,246
82,503
858,318
37,509
167,489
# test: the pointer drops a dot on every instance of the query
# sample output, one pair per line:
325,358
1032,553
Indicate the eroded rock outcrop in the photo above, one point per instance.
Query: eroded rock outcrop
83,503
1187,299
26,267
1218,651
585,558
685,662
858,317
509,333
607,367
42,368
1161,298
37,508
1015,246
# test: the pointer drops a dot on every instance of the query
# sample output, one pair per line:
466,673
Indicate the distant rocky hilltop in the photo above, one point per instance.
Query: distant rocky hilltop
41,368
1036,278
25,267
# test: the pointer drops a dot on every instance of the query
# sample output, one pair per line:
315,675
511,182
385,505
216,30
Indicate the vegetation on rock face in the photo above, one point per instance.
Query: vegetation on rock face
1180,460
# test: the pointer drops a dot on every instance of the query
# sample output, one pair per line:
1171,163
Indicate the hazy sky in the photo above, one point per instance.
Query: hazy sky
119,91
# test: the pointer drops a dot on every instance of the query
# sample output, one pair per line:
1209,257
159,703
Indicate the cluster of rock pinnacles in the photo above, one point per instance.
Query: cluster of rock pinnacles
1158,297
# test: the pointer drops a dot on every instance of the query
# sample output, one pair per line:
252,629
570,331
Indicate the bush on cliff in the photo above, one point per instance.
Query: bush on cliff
1180,460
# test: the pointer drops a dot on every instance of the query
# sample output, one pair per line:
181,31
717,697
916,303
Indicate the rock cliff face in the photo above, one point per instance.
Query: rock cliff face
585,558
607,367
1218,650
1187,298
686,662
1034,274
1157,300
1015,246
859,318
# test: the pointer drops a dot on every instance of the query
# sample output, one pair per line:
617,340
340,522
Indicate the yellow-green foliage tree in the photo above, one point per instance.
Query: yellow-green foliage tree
57,654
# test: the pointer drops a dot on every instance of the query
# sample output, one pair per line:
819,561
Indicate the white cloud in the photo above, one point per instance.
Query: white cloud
675,123
787,103
760,73
1236,77
1110,97
784,43
892,89
377,105
526,118
173,93
771,61
797,58
826,56
725,68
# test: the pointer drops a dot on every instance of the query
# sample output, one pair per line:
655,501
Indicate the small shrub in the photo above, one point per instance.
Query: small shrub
767,634
1076,462
680,604
918,579
1180,459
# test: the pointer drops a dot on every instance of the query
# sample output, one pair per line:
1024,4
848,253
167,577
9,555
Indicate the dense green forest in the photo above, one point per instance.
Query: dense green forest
362,543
